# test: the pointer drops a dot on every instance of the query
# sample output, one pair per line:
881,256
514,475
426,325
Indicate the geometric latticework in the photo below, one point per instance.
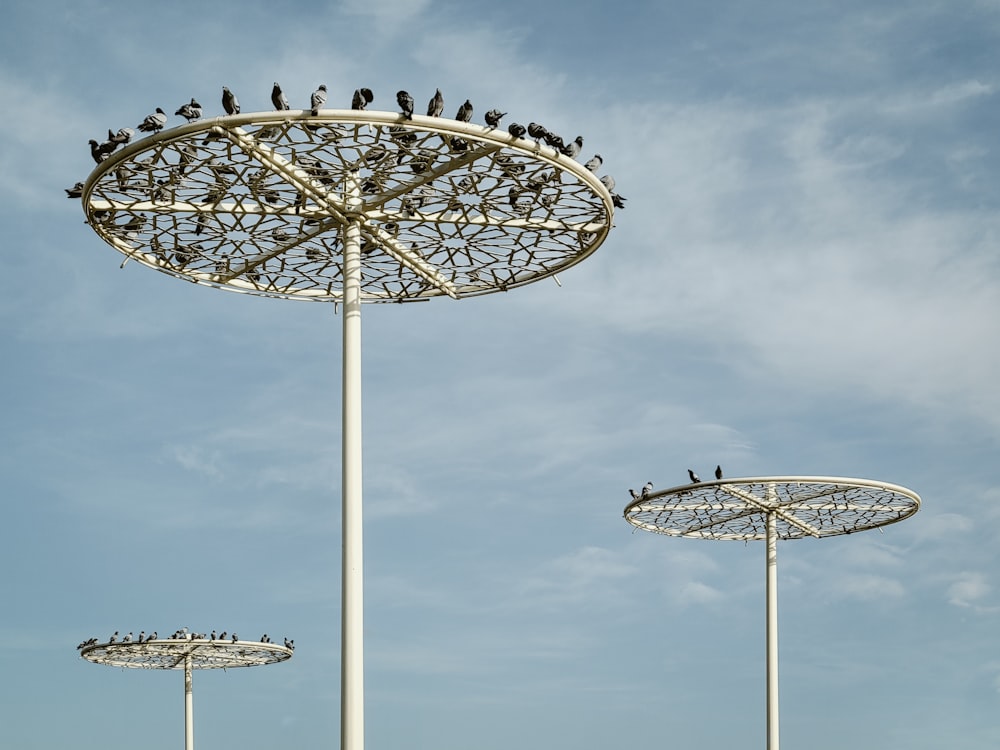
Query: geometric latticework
260,202
175,653
801,506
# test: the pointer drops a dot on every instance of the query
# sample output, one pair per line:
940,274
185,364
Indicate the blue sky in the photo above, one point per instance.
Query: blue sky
805,282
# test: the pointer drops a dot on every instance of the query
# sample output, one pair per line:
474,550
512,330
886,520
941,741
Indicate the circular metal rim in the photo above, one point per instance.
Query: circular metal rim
753,529
170,653
595,230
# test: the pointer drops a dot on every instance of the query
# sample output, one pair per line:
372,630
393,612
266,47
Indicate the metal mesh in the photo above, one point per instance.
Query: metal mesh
802,506
256,203
172,654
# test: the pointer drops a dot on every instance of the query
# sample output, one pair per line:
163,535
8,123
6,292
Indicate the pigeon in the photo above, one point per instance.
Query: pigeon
436,105
405,102
76,191
609,182
464,113
536,131
190,111
278,98
289,644
594,163
517,130
362,98
234,638
152,637
97,152
127,638
647,488
123,136
142,636
694,477
318,99
212,637
572,149
635,495
554,140
265,639
154,122
229,102
718,472
222,635
494,116
113,638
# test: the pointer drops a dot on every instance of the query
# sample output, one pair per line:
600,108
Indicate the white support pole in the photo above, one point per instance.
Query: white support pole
772,633
188,705
352,720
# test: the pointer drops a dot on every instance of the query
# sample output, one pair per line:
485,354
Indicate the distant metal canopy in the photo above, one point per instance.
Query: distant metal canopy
257,203
738,509
196,654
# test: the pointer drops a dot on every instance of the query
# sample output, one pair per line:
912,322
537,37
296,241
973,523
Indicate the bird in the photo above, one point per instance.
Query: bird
142,636
517,130
362,98
123,136
572,149
114,637
127,638
494,116
212,637
609,182
536,131
153,122
436,105
647,488
594,163
318,99
265,639
222,635
554,140
464,113
96,152
694,477
405,102
152,637
635,495
190,111
289,644
234,638
278,98
718,472
74,192
229,102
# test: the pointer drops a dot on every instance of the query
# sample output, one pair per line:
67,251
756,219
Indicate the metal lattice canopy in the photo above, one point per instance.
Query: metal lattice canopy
801,506
259,203
174,653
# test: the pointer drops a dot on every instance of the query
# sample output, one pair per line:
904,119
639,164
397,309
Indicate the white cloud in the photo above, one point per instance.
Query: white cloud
969,590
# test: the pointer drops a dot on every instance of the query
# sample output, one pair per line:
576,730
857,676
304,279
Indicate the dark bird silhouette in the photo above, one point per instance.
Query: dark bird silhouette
436,105
234,638
154,122
594,163
265,639
493,117
464,113
289,644
318,99
76,191
718,472
517,130
405,102
142,636
555,141
96,152
635,495
278,99
152,637
229,102
362,98
212,636
694,477
536,131
190,111
114,637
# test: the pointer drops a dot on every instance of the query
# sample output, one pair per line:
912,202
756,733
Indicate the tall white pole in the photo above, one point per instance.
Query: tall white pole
772,633
188,706
352,719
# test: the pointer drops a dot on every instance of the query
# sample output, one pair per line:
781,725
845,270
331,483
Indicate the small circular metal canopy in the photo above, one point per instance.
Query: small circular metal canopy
259,203
800,507
193,653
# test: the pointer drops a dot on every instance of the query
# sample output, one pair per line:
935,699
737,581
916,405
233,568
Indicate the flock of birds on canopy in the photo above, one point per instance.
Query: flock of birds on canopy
648,487
179,635
191,111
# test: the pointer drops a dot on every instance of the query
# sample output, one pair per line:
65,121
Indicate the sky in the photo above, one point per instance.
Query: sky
805,281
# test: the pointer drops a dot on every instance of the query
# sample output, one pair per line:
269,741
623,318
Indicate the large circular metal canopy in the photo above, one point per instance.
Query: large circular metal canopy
196,653
800,507
259,203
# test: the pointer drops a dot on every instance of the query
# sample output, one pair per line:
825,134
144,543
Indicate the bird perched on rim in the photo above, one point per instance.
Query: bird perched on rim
190,111
493,117
609,182
594,163
74,192
229,102
554,140
647,488
405,102
517,130
536,131
572,149
154,122
436,105
694,477
362,98
114,637
278,98
100,152
234,638
464,113
718,472
318,99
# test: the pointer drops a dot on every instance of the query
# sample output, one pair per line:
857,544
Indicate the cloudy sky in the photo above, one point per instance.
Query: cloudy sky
805,282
